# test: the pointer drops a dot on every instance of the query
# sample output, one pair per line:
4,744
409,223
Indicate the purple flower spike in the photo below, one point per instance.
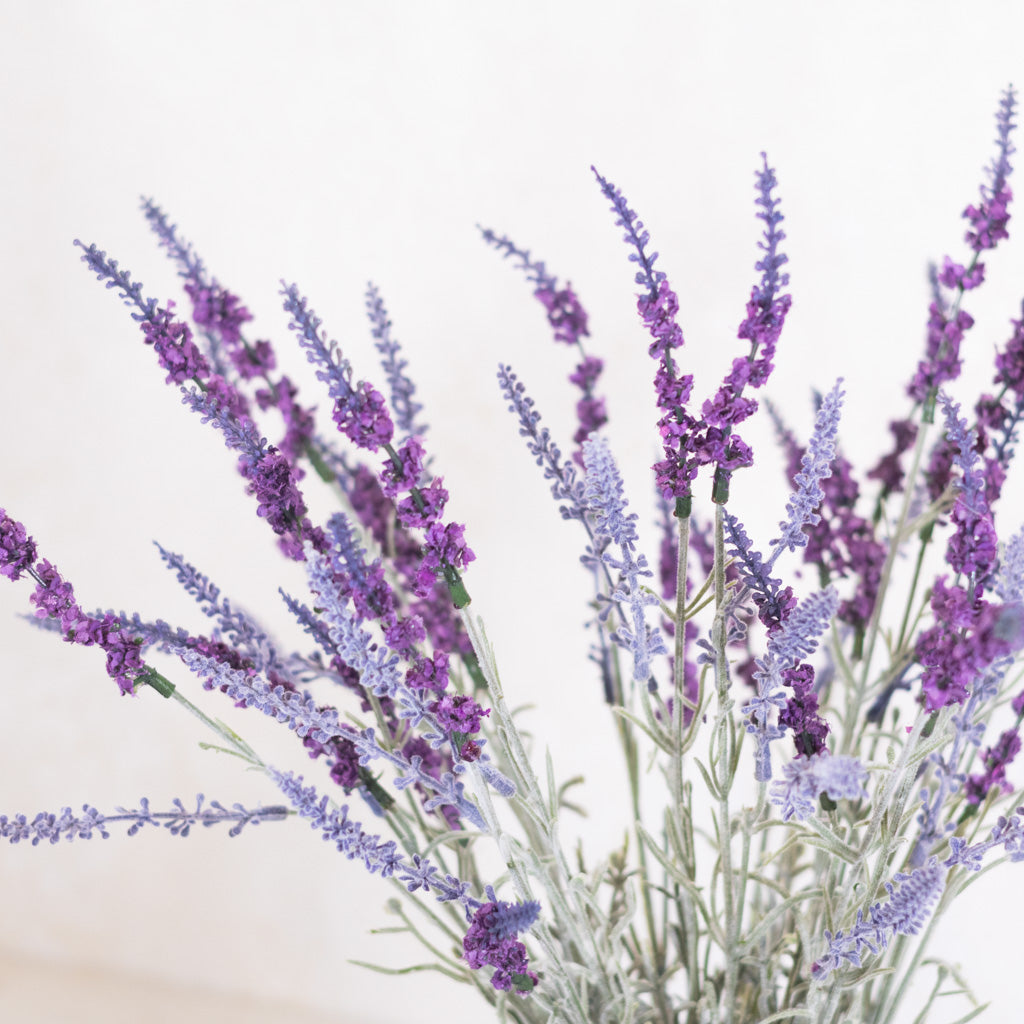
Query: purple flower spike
403,472
800,715
766,313
376,854
771,280
190,266
568,319
270,474
54,598
636,237
565,485
52,828
565,313
942,360
107,270
988,221
972,547
995,758
774,602
172,341
904,913
217,309
816,465
658,306
606,504
401,386
794,641
491,942
359,410
17,548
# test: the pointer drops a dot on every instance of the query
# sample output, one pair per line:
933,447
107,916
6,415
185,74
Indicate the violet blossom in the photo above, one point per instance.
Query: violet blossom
568,319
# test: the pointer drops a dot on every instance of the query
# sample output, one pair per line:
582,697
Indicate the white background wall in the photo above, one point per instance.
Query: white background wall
332,143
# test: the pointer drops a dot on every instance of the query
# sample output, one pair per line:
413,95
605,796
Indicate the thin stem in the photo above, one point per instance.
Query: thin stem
723,736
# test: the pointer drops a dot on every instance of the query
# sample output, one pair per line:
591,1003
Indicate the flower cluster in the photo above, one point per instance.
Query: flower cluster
692,442
896,690
491,941
54,598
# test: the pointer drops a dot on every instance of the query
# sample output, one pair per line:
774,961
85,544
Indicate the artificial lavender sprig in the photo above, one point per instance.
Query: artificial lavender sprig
220,316
988,221
491,941
54,598
565,486
240,433
773,601
297,710
903,913
658,306
794,641
377,854
52,828
766,313
972,546
359,410
566,315
214,308
568,319
377,666
947,326
236,625
606,505
107,270
636,237
405,407
816,465
190,266
171,339
361,414
270,473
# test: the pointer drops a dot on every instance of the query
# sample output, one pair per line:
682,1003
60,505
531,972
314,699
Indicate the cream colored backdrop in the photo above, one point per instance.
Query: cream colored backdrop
332,143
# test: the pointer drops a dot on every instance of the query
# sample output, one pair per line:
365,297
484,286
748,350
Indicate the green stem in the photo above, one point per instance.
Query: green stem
724,741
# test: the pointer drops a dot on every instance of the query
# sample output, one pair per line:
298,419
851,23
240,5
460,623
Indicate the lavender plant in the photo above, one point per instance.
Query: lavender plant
876,717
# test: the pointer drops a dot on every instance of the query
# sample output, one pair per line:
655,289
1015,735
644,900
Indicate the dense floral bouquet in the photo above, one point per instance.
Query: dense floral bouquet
875,717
